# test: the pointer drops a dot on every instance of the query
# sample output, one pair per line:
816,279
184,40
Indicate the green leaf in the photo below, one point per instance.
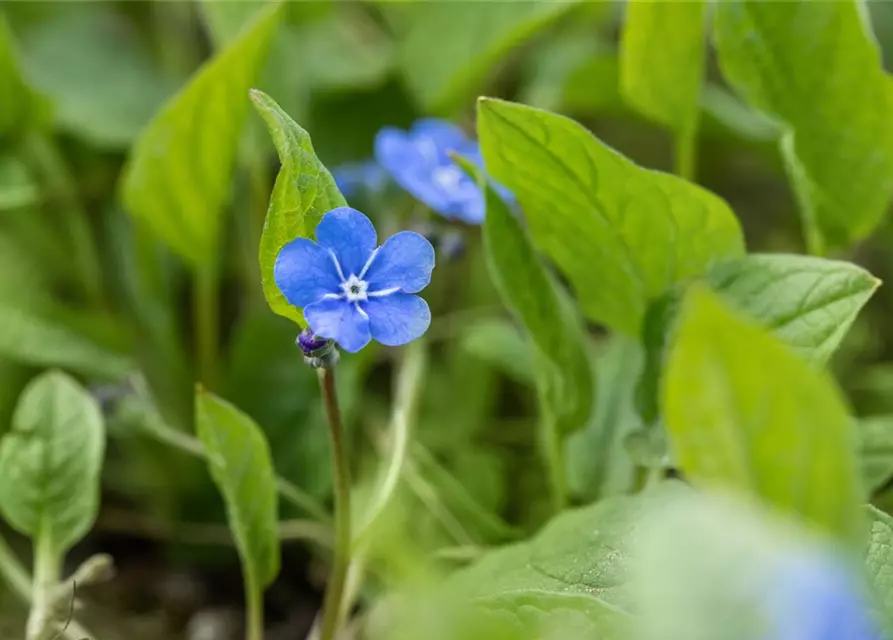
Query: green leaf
179,174
809,303
51,460
303,192
91,63
876,450
499,343
879,558
579,561
19,104
621,234
224,20
344,51
816,67
37,337
525,286
449,49
240,464
597,462
662,61
744,412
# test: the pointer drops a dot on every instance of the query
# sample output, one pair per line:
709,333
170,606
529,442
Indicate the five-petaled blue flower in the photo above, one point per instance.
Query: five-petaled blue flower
352,291
419,161
816,597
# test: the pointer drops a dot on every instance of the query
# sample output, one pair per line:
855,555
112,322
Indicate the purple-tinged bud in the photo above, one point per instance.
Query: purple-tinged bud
319,353
310,342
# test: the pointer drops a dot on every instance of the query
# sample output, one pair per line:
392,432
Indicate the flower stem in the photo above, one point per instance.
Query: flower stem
550,437
254,623
19,581
686,150
47,571
206,302
341,556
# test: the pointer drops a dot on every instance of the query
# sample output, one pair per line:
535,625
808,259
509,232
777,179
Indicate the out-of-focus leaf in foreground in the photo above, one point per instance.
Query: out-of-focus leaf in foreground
240,464
744,412
179,174
816,67
50,462
621,234
448,48
712,565
303,192
577,569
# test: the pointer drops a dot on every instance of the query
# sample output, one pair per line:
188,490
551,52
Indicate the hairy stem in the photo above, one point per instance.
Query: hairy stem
47,571
341,471
16,576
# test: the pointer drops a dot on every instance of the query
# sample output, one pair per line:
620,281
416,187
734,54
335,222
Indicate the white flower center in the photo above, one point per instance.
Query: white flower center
447,176
354,289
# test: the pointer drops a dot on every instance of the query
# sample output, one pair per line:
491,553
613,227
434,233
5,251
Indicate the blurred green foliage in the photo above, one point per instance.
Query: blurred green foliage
137,184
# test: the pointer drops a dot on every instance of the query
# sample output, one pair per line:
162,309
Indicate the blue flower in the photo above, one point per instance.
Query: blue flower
352,291
355,177
816,597
418,160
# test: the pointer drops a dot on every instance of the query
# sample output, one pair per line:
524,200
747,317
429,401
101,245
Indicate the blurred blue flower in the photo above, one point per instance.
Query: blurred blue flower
418,160
354,178
817,597
352,291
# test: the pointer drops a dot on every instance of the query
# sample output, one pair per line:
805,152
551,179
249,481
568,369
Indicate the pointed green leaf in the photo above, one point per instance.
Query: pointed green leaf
179,174
449,48
816,67
50,462
240,464
808,303
621,234
744,412
303,192
662,60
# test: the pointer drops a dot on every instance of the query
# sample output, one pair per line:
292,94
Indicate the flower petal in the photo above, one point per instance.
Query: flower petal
305,272
396,152
445,136
340,321
398,318
351,237
404,262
